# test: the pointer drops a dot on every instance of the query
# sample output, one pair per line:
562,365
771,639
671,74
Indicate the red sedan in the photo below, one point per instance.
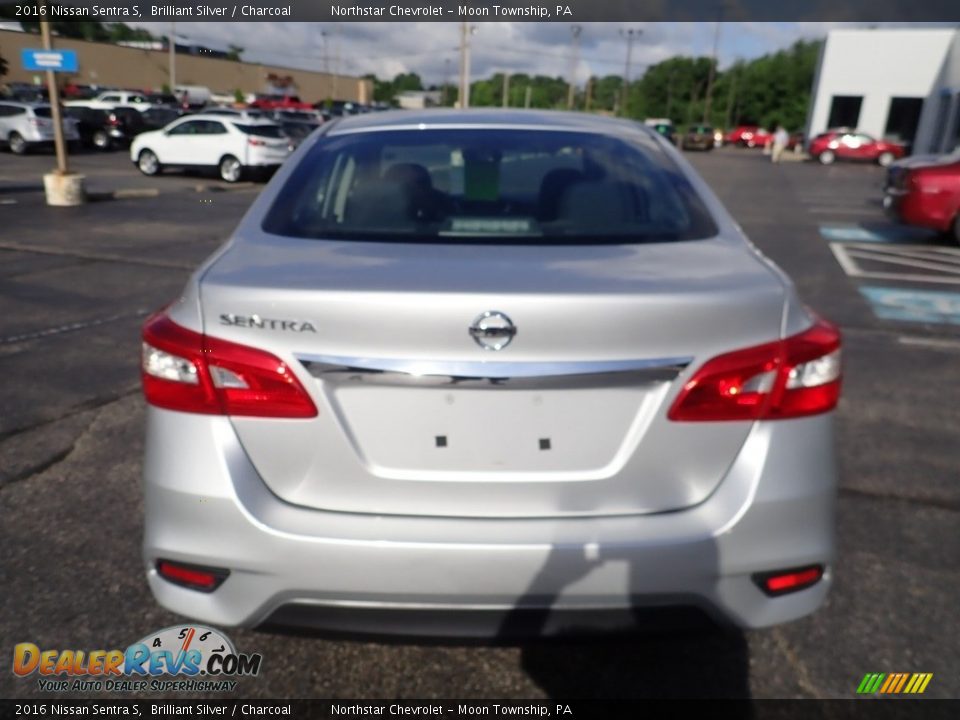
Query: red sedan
927,195
280,102
836,145
748,136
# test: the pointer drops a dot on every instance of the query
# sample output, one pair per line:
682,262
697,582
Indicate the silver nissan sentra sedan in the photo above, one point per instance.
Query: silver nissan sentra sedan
457,368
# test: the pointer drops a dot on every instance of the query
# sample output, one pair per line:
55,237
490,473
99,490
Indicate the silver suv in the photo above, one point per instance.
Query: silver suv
25,125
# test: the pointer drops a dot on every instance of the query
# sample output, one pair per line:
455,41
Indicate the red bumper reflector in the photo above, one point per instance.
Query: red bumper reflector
787,581
191,576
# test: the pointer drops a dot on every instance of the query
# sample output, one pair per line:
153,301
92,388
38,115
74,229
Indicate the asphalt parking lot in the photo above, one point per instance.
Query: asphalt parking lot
75,285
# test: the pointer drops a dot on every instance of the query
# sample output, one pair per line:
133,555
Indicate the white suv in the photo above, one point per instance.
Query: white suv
110,100
26,125
230,144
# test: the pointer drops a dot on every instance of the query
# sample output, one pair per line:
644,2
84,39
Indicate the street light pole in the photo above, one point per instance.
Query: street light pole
575,31
446,80
465,32
173,57
630,35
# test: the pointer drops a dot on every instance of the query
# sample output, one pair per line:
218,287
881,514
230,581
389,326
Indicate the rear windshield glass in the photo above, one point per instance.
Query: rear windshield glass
268,131
42,112
494,185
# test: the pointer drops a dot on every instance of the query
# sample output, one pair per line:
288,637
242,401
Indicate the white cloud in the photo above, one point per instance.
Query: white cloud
432,49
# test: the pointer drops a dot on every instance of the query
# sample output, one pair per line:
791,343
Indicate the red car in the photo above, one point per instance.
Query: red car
836,145
926,195
280,102
748,136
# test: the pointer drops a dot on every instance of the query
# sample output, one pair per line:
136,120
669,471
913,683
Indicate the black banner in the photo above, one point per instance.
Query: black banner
946,11
868,709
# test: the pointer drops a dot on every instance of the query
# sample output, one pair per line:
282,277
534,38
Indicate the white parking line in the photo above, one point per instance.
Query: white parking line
876,211
929,342
943,263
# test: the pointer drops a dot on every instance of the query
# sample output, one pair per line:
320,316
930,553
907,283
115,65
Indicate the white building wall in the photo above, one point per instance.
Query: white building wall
878,65
934,136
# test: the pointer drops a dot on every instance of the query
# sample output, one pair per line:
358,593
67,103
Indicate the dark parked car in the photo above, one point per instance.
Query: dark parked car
667,130
91,125
297,130
160,116
698,137
106,129
163,99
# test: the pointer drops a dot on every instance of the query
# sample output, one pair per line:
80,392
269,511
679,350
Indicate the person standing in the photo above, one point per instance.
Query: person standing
780,140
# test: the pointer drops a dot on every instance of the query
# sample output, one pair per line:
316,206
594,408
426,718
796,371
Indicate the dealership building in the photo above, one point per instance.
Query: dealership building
900,84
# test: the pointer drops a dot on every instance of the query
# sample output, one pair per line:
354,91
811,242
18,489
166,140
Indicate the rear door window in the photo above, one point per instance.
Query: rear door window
267,131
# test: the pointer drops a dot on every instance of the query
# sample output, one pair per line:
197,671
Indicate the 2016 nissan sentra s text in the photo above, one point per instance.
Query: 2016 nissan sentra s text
455,366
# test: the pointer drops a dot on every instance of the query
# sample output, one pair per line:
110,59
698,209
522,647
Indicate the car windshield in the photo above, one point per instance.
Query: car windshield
518,186
268,131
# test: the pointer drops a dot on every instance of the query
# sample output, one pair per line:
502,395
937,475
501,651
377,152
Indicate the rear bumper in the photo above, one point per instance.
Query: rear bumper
288,565
912,209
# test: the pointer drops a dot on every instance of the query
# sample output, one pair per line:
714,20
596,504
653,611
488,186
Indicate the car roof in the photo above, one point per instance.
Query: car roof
229,118
439,118
27,105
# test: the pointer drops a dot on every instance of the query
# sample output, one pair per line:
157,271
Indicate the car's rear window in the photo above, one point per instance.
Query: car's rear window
43,112
488,185
267,131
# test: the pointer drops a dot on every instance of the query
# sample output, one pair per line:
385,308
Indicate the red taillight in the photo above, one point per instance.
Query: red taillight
255,142
786,581
113,120
184,370
191,576
783,379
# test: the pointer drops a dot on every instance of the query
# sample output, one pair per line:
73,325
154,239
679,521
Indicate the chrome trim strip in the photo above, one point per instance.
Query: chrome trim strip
382,371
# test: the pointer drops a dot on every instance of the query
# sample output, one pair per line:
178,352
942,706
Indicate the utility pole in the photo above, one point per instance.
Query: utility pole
173,57
589,94
506,89
336,59
575,31
526,96
670,91
713,66
731,94
465,33
326,51
54,91
446,80
630,35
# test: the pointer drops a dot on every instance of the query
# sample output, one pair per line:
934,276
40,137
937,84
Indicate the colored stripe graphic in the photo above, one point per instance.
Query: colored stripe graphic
891,681
903,680
894,683
870,683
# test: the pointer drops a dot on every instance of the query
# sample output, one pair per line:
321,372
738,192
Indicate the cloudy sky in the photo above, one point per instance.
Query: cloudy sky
431,49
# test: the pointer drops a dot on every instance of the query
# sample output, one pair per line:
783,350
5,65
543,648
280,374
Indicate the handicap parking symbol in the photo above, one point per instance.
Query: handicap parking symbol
920,306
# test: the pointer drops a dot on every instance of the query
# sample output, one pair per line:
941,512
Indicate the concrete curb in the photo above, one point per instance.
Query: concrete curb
224,188
129,193
122,194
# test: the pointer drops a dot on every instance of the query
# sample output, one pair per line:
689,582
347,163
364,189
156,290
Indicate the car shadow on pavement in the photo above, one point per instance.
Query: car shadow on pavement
674,650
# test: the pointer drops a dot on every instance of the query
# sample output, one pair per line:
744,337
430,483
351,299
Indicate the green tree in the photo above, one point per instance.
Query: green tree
234,52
